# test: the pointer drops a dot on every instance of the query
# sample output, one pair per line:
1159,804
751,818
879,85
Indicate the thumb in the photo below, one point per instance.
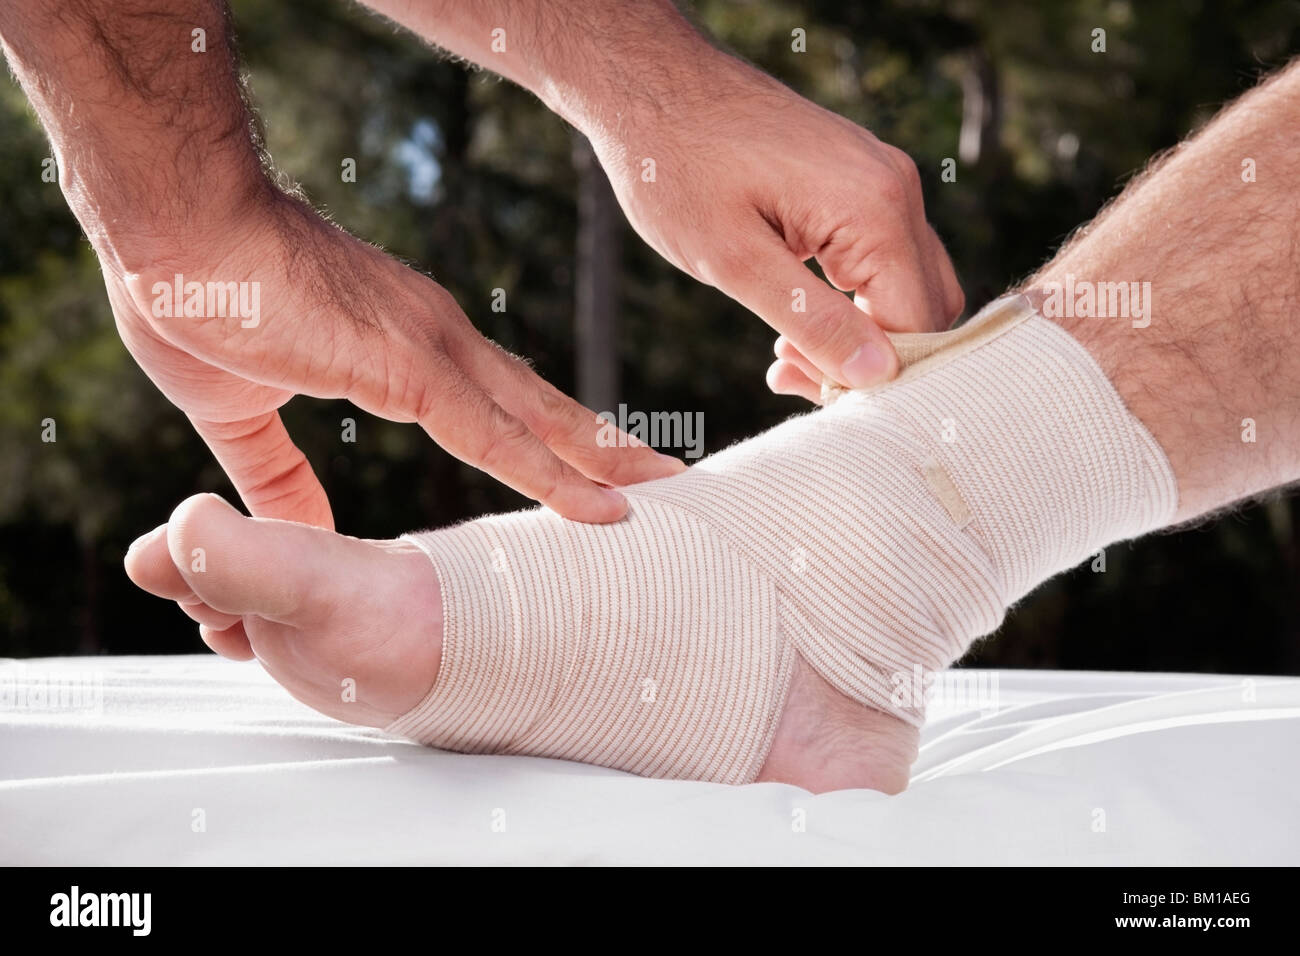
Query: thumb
271,474
834,334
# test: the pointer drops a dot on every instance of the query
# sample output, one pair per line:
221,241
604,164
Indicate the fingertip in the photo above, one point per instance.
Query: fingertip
669,465
873,363
773,377
633,465
596,505
786,378
610,466
953,295
956,303
614,504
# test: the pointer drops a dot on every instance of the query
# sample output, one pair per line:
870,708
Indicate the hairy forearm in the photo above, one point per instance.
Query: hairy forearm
590,62
152,137
1215,375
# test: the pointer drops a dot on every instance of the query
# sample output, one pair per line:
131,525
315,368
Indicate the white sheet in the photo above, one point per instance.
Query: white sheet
1071,768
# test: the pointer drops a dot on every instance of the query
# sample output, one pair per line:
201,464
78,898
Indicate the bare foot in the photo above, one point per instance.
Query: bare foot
353,629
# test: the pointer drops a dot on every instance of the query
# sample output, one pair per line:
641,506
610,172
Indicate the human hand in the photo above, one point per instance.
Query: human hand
738,181
337,318
158,165
729,175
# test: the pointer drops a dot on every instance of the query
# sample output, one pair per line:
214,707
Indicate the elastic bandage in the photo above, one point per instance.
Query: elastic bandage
877,537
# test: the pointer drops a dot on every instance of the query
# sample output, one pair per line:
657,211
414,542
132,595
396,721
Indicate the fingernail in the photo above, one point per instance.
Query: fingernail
613,497
867,366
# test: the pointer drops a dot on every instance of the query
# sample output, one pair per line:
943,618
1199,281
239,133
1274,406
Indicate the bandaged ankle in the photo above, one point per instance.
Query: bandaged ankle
878,537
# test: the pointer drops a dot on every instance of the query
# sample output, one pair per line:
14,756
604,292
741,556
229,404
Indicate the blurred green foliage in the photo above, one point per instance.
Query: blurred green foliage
472,180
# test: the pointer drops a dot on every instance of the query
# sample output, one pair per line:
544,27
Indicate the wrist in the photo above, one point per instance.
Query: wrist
655,68
160,217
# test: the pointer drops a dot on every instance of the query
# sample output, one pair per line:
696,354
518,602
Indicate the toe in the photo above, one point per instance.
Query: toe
231,642
150,567
283,571
196,610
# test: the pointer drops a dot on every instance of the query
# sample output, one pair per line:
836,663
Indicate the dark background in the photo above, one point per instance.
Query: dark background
473,180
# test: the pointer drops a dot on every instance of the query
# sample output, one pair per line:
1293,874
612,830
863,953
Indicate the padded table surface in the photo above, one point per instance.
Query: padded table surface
197,760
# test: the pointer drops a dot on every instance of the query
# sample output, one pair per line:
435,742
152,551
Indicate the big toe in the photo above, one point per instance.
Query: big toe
279,570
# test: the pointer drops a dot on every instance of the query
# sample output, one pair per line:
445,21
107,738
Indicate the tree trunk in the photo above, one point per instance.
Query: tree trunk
596,273
981,110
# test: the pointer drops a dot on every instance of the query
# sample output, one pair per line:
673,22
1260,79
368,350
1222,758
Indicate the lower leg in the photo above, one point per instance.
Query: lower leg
1215,228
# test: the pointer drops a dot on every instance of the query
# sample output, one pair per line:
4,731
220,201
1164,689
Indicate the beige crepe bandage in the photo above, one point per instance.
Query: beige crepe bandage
918,351
877,538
